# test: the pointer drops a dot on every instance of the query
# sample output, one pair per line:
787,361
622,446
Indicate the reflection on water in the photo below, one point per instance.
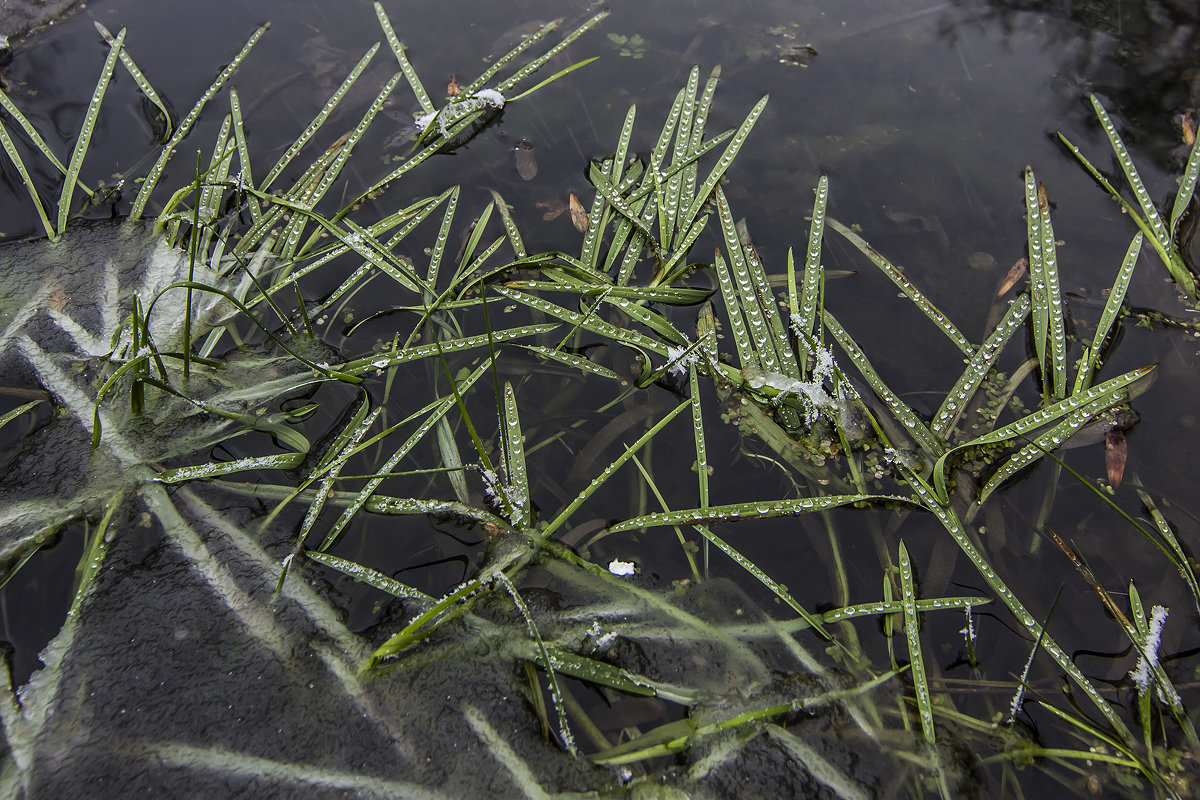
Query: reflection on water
922,114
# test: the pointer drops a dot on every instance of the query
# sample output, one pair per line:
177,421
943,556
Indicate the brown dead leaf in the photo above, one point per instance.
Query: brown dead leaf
1043,201
526,161
551,209
452,89
1015,273
579,217
1188,123
1115,453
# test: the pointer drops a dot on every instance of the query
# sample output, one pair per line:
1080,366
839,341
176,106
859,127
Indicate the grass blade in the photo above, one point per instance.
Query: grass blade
765,509
515,473
978,367
1149,210
1112,308
371,485
730,152
1050,440
11,149
311,129
805,314
139,78
86,130
1111,391
908,418
185,127
952,524
897,277
912,634
406,67
1187,187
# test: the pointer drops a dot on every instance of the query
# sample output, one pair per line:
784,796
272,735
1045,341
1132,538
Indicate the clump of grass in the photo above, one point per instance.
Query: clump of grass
778,379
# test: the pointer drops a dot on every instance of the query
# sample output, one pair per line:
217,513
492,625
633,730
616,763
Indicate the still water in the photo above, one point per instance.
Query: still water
922,114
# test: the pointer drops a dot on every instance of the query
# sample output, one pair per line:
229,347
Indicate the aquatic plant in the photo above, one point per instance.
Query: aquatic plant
174,377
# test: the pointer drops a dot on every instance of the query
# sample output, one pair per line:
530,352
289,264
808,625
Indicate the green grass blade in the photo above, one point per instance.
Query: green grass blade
139,78
1149,210
311,129
977,368
810,296
1170,544
761,334
765,509
1112,309
952,524
1050,440
889,607
1110,391
703,106
18,411
1187,188
1049,338
35,137
245,172
608,471
215,469
371,485
547,663
367,575
185,127
537,63
907,418
1170,257
390,358
11,149
510,227
897,277
587,321
572,360
747,353
85,132
912,627
514,461
726,158
406,67
698,435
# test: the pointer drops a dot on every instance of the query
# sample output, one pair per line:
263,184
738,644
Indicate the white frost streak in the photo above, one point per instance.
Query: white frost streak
452,112
1148,658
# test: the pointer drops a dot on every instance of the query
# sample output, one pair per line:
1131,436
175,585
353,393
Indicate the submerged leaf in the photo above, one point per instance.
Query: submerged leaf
579,215
1115,452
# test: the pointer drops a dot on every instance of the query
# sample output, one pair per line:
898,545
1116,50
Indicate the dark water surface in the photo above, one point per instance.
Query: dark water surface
923,116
